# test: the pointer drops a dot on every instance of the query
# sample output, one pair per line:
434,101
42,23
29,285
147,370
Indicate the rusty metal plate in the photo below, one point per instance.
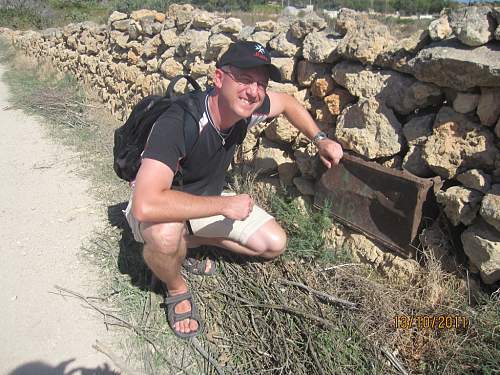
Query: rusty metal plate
384,204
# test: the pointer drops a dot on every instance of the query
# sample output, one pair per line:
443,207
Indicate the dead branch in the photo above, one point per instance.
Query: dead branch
196,344
284,308
321,295
394,361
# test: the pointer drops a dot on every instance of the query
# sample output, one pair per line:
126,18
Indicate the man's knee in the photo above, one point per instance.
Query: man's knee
276,243
165,238
269,241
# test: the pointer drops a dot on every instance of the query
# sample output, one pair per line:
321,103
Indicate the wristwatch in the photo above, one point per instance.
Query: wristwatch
318,137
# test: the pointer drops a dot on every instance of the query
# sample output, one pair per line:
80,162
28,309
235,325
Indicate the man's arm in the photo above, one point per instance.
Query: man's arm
330,151
155,201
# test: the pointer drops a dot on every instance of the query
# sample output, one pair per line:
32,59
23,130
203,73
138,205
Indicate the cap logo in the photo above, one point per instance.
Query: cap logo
261,52
260,49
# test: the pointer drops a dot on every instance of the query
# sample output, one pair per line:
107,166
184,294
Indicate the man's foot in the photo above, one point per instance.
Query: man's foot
199,264
182,315
204,267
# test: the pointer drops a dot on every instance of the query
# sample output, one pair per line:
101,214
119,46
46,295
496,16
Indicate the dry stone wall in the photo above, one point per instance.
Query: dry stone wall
428,103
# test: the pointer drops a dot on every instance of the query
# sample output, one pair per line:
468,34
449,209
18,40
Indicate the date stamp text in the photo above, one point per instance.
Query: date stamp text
436,322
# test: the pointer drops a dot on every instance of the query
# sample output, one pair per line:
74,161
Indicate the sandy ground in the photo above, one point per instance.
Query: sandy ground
45,214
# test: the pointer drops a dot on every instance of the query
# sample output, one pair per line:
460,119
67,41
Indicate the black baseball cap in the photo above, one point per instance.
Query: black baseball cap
243,54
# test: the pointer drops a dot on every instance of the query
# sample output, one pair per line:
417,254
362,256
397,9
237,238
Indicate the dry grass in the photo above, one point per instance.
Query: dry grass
259,320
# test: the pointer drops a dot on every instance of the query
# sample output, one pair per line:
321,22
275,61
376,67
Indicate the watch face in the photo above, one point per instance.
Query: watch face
318,137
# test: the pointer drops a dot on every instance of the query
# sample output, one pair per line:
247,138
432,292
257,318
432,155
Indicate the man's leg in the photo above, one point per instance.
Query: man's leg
268,241
164,251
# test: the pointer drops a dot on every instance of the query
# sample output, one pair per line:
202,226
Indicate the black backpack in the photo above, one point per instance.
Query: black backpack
130,138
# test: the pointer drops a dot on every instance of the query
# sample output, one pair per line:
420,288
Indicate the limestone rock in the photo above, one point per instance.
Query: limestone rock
488,108
307,72
170,37
366,251
194,42
440,29
287,171
205,20
280,130
460,204
475,179
134,30
400,92
286,88
269,26
465,102
269,156
285,45
303,203
119,38
348,19
132,57
217,45
338,100
116,16
322,86
121,25
306,26
364,40
152,65
169,53
472,25
261,37
416,132
245,33
307,161
171,68
445,62
415,163
370,129
397,55
304,185
248,147
143,14
151,46
496,13
230,25
458,144
335,236
286,66
418,129
490,207
320,47
482,246
182,14
200,69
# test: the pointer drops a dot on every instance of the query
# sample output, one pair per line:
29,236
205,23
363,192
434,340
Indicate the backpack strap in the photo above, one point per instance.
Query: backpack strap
173,82
191,117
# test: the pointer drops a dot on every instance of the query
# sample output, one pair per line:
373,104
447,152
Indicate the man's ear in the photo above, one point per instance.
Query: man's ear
218,78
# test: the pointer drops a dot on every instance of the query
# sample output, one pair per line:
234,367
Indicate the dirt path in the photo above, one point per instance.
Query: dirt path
45,213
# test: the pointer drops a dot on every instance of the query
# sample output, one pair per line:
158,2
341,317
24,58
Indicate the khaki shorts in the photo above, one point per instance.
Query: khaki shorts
214,226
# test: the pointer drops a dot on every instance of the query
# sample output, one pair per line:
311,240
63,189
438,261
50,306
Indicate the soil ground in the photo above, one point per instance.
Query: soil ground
45,215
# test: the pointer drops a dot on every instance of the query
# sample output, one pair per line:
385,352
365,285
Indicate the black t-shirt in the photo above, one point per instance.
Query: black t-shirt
203,170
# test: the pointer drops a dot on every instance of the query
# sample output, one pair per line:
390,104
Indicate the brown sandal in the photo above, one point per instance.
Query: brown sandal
173,317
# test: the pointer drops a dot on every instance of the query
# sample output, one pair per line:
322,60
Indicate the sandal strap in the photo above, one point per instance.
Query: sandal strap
185,315
178,298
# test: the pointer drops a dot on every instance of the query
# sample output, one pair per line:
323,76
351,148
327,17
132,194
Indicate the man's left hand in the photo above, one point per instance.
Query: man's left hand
330,152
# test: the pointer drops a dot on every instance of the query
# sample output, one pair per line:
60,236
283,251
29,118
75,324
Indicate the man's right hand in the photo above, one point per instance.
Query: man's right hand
237,207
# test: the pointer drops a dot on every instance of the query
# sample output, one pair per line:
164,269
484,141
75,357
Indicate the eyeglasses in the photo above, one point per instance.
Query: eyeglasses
245,80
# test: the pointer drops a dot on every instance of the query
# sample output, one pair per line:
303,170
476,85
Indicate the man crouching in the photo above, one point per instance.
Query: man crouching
169,216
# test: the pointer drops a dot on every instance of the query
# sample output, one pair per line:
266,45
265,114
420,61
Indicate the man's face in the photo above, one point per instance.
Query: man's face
243,90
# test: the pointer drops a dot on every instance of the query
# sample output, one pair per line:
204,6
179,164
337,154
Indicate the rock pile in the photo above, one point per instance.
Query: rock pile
429,103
